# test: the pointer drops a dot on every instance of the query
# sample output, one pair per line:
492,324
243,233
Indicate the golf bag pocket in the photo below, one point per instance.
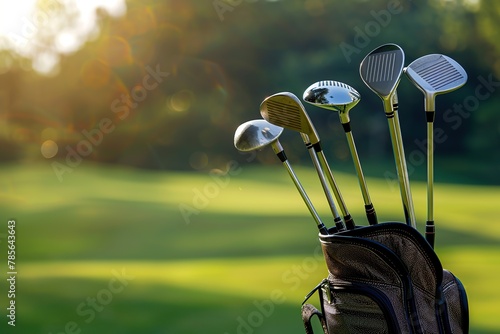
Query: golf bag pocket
387,279
457,306
358,308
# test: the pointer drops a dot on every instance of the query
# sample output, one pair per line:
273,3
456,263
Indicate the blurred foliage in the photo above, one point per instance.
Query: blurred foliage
222,59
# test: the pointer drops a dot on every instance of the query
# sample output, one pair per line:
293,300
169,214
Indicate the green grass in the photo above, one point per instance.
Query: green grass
249,246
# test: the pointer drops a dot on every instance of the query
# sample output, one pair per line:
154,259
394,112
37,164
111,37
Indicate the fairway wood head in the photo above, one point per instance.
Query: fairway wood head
285,109
256,134
333,95
381,70
435,74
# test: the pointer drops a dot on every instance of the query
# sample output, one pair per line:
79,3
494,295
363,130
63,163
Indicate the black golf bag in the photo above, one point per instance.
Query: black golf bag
386,278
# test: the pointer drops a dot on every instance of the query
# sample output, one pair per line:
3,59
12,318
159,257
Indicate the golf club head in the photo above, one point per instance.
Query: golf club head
381,71
256,134
435,74
333,95
285,109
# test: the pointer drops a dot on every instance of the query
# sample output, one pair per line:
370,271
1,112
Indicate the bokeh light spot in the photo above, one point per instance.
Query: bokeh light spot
49,149
115,51
182,100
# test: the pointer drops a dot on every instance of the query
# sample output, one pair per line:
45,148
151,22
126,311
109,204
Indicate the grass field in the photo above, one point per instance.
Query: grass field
115,250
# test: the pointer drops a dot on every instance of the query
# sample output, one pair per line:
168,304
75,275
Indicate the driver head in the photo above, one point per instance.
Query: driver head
255,134
381,70
333,95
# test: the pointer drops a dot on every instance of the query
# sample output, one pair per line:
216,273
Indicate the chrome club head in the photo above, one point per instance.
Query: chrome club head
333,95
285,109
381,71
340,97
256,134
435,74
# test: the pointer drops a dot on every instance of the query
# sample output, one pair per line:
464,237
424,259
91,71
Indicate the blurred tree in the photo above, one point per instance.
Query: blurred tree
175,78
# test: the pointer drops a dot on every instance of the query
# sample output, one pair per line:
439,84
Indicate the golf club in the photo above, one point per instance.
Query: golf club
381,71
434,74
285,109
324,185
256,134
404,168
339,97
338,221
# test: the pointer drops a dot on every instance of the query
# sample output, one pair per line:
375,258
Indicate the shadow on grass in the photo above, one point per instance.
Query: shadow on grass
66,235
153,232
48,305
451,237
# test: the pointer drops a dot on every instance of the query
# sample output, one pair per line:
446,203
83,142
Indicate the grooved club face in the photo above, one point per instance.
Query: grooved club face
256,134
436,74
381,69
332,95
285,110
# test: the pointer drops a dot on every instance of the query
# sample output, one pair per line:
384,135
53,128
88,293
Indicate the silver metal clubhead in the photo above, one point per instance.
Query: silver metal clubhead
255,134
285,109
435,74
333,95
381,69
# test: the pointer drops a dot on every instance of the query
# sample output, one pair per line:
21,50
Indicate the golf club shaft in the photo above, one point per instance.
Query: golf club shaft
434,74
324,185
410,219
399,166
430,228
370,210
278,149
348,221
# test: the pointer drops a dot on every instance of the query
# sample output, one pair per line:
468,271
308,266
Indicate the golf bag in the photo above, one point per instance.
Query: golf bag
386,278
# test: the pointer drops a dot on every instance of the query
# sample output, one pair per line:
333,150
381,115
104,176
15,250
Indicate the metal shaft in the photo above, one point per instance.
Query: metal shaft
324,185
410,218
348,221
400,168
278,149
429,228
370,211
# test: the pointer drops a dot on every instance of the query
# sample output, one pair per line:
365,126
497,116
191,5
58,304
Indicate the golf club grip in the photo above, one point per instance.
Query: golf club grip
339,224
349,222
430,232
371,215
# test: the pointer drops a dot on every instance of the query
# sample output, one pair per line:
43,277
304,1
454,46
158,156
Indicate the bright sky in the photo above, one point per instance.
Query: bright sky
19,23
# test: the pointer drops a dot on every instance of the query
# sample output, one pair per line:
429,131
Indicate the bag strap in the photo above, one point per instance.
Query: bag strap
308,311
